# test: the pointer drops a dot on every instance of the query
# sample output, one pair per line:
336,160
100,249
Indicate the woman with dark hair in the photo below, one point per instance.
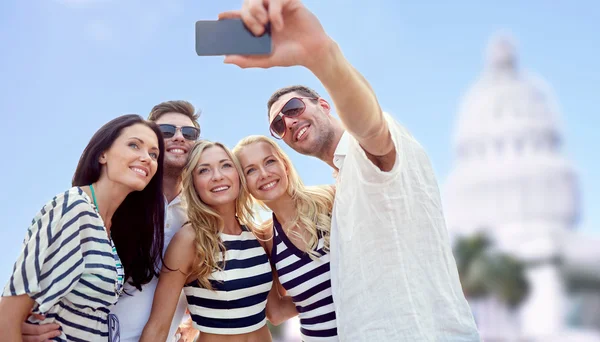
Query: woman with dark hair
69,269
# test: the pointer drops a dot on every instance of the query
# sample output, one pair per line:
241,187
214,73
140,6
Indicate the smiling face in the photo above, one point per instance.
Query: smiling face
265,172
309,133
216,179
176,147
132,159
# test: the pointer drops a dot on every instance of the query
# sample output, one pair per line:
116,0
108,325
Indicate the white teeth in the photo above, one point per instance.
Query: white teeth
139,171
177,150
268,185
219,189
301,133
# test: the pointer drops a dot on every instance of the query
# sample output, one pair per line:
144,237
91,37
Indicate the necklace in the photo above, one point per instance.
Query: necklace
118,265
94,198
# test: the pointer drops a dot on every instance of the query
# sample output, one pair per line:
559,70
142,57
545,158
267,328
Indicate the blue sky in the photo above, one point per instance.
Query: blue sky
69,66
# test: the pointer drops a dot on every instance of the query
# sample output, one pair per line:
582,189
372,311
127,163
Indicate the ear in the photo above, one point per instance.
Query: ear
102,158
325,105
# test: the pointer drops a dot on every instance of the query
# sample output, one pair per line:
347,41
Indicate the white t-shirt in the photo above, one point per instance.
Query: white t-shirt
394,277
134,310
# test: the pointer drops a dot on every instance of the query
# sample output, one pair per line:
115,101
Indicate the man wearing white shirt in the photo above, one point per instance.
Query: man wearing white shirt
394,277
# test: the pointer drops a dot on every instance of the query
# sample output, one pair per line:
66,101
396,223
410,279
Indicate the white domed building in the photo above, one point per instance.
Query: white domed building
511,180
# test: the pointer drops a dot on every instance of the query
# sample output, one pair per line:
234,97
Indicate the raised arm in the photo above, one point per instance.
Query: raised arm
357,106
299,39
179,259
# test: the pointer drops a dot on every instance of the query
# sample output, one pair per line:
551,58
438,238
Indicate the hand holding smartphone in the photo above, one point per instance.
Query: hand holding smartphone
229,37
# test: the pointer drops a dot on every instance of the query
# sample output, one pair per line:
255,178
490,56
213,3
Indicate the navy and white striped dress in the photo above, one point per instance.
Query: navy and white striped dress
308,282
237,303
67,265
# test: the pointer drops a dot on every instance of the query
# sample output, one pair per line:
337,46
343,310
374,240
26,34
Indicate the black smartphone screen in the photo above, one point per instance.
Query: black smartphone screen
229,37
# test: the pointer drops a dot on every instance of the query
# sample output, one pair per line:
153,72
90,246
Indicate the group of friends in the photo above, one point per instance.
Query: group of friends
159,221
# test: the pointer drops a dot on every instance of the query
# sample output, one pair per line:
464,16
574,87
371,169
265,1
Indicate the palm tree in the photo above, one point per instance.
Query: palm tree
507,280
471,260
484,273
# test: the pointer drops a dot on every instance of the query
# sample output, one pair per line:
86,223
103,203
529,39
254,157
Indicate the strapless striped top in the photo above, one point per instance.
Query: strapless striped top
237,303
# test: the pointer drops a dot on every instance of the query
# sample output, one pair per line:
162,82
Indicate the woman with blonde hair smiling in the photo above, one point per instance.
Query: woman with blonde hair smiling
299,247
215,258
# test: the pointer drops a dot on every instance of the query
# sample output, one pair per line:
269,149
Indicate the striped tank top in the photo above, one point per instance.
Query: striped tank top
308,282
237,303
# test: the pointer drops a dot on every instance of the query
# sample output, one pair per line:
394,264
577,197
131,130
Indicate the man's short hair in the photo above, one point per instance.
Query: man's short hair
179,107
300,89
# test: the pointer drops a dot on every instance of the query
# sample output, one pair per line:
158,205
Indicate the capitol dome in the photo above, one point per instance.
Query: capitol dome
508,163
511,181
506,113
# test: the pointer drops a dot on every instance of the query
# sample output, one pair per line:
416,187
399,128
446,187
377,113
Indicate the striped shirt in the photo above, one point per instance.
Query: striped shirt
308,282
68,267
237,304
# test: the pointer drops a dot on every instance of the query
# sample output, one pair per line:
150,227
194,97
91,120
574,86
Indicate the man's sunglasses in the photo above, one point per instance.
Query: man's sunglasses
291,109
188,132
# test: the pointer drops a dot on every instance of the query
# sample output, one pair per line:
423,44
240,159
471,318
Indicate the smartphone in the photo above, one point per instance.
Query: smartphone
229,37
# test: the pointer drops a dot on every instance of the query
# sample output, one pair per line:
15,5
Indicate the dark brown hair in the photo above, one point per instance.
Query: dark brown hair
300,89
138,224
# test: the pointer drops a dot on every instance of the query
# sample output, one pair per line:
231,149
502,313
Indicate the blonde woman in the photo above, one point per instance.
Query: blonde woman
299,247
215,257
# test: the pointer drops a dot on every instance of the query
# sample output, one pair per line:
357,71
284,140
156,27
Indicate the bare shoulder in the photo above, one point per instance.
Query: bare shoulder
181,250
184,238
186,232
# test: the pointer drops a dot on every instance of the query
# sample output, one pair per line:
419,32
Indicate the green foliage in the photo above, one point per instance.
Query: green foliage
484,273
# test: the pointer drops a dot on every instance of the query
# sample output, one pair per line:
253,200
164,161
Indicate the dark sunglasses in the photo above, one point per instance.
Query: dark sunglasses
291,109
188,132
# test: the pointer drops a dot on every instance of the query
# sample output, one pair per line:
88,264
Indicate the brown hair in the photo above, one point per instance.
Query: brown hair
300,89
178,106
137,224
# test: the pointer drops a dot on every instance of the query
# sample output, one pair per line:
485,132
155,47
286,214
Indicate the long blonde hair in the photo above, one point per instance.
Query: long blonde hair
313,203
206,222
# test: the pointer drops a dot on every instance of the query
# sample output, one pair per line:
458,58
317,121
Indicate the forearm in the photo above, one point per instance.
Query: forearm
354,99
288,309
180,256
163,309
284,310
13,312
11,331
155,331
